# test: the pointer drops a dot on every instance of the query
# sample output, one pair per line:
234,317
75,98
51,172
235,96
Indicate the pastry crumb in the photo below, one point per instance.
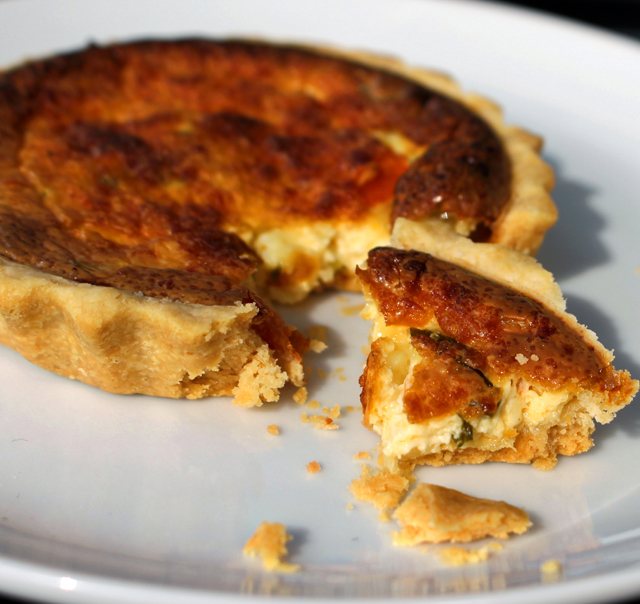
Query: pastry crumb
317,346
362,455
349,506
459,556
521,359
434,514
269,543
313,467
273,429
348,311
551,570
333,412
381,488
313,404
322,373
300,396
350,408
327,424
319,421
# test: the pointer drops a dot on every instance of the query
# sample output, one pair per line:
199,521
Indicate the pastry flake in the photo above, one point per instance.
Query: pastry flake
269,543
435,514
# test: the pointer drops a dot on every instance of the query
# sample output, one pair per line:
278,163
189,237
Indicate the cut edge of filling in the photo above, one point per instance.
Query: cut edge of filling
531,424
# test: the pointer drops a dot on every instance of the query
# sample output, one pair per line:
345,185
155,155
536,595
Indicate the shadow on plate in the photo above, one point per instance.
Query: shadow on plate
588,314
572,246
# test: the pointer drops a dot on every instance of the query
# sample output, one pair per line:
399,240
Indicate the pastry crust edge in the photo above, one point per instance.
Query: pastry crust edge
126,343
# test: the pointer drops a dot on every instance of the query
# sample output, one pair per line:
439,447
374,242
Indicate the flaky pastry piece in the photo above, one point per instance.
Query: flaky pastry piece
435,514
473,357
223,174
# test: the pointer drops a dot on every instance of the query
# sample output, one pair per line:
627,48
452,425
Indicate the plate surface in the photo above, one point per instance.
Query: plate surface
124,499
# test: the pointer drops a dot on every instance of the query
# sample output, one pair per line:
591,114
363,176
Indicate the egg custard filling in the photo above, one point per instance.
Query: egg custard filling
466,366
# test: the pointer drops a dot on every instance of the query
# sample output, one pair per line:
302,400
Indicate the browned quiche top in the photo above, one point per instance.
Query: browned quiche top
484,331
136,165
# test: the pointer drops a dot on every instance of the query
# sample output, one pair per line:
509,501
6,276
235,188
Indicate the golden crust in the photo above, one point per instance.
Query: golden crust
496,371
128,343
186,170
434,514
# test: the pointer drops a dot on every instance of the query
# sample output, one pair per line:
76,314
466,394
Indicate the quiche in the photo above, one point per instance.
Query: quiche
474,358
155,196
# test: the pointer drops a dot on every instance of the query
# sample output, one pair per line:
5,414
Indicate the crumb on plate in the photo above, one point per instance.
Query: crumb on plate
362,455
269,543
459,556
382,488
300,396
313,467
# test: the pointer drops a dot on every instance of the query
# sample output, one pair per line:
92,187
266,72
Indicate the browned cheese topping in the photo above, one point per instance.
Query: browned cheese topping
134,165
486,331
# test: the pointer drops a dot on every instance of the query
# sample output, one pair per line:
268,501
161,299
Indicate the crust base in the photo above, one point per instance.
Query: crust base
128,343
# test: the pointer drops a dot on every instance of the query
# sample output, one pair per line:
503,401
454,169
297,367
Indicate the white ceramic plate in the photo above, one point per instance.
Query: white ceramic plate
132,499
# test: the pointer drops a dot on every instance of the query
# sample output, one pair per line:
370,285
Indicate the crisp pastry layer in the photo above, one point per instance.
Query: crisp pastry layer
199,173
126,342
473,357
435,514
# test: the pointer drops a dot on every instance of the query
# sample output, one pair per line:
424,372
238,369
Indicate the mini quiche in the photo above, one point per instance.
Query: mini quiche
154,194
473,357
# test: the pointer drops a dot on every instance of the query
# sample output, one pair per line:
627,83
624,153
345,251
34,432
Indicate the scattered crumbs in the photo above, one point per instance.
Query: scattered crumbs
350,408
366,350
273,429
269,543
317,346
339,373
434,514
300,396
320,421
322,373
535,357
521,359
382,488
327,424
339,370
349,506
459,556
313,467
313,404
333,412
342,378
319,333
551,570
348,311
362,455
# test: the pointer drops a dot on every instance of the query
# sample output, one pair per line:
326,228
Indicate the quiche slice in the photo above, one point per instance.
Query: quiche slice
473,357
149,184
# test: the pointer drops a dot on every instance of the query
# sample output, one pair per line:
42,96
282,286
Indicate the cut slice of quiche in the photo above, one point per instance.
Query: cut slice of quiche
473,357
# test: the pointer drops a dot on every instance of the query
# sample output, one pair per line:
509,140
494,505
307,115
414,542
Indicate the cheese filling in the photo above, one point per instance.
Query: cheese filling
520,407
